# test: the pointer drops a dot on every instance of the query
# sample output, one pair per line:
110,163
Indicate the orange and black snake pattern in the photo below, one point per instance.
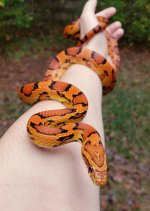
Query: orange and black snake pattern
53,128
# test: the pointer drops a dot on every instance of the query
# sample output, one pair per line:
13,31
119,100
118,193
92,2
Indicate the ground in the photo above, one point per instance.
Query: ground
125,113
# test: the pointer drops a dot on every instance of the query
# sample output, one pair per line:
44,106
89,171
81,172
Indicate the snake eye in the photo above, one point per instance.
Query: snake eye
90,169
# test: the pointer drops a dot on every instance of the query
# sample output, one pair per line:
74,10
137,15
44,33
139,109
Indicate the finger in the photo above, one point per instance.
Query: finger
89,7
88,19
108,12
118,34
113,27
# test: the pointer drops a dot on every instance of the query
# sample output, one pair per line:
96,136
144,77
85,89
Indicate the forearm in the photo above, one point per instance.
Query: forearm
89,82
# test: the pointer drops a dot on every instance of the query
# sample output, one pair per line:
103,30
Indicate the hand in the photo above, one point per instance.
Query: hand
98,42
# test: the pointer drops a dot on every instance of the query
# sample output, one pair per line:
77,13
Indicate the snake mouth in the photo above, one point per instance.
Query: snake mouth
99,178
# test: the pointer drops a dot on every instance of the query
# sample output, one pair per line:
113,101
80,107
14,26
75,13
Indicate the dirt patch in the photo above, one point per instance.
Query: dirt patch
28,69
14,73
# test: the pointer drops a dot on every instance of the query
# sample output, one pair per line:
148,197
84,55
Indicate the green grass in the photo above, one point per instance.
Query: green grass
126,120
10,109
126,112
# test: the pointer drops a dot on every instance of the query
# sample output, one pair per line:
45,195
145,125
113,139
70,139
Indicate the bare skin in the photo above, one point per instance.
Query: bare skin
35,179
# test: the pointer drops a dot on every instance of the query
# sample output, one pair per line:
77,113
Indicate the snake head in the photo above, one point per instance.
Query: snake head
98,176
94,157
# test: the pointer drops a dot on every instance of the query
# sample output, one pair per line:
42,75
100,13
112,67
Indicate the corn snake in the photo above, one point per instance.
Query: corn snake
54,128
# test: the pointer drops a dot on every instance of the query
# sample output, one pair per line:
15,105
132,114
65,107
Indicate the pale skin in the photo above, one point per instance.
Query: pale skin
32,178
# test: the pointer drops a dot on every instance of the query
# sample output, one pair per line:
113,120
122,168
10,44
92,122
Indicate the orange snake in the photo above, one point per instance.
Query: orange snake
54,128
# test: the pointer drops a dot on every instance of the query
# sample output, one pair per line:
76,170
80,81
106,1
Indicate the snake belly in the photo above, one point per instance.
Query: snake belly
53,128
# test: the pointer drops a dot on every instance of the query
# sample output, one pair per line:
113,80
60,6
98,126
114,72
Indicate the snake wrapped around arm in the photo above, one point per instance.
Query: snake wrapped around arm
53,128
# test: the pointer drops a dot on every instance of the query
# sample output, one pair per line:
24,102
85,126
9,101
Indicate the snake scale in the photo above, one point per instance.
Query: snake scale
53,128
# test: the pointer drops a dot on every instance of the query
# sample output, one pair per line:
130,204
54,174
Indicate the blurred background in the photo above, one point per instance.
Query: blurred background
31,33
